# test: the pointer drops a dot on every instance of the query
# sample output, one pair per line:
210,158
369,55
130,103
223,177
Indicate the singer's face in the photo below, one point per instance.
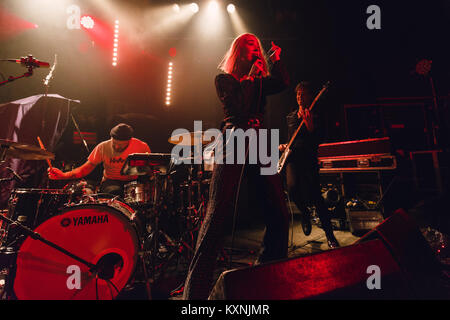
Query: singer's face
120,145
250,48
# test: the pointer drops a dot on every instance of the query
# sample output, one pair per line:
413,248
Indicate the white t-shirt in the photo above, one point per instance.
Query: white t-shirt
114,161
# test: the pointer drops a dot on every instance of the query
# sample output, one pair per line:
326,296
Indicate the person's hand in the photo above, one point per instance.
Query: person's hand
55,174
306,115
246,77
282,147
275,56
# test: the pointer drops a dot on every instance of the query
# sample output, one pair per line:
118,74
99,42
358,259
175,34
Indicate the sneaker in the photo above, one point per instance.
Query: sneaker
332,241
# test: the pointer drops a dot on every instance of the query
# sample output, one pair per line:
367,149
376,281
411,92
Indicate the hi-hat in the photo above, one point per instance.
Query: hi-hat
191,138
17,150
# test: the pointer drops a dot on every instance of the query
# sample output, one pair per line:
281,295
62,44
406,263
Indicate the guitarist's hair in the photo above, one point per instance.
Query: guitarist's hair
303,85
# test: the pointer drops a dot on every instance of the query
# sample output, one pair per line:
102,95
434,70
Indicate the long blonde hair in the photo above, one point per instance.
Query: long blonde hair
234,54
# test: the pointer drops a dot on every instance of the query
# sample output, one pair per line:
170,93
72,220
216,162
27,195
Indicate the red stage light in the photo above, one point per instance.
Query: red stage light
172,52
11,25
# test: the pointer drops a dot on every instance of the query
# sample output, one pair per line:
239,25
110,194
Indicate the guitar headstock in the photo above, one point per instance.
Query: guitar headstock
423,67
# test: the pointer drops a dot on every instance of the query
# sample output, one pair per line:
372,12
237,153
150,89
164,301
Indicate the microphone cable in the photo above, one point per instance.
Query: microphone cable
240,179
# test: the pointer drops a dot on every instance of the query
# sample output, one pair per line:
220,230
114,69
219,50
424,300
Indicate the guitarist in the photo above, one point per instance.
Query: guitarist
302,170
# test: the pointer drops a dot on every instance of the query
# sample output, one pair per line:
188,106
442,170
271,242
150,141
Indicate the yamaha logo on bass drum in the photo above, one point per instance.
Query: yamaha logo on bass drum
86,220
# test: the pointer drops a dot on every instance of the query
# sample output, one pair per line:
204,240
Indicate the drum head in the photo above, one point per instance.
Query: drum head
96,233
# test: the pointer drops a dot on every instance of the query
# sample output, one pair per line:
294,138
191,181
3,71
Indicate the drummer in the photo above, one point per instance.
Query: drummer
112,153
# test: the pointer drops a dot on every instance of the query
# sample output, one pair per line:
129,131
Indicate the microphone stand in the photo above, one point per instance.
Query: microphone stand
29,73
79,132
28,61
36,236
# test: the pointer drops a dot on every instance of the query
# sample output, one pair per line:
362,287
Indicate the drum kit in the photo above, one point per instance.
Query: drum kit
74,243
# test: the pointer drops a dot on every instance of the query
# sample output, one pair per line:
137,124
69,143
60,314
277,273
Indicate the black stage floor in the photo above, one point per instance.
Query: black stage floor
241,251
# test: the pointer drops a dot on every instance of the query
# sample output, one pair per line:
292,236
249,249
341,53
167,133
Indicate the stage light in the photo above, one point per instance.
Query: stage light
115,43
169,83
231,8
87,22
213,6
194,7
172,52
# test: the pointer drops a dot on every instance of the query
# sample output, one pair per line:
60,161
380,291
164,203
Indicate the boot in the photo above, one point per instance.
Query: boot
305,218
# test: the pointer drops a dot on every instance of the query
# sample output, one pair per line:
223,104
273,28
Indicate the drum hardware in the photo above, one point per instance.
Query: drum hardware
157,243
159,249
139,164
15,176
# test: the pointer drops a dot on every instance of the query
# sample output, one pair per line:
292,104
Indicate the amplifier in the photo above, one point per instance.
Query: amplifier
362,221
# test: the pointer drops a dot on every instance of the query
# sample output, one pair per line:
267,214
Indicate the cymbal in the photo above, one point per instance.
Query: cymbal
189,139
24,151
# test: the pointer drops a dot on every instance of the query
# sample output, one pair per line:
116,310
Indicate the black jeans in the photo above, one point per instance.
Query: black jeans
223,189
303,186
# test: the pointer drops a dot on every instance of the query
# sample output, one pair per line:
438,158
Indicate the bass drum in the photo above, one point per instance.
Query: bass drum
100,233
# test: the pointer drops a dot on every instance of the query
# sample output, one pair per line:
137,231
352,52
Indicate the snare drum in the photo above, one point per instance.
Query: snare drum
136,192
103,232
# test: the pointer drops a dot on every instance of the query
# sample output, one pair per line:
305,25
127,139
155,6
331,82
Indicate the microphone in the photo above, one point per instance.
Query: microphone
29,61
254,71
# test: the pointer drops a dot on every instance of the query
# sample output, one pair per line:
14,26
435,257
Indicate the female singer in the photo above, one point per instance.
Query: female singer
242,90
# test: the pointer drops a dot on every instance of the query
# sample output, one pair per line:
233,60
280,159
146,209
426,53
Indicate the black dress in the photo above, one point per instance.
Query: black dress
243,104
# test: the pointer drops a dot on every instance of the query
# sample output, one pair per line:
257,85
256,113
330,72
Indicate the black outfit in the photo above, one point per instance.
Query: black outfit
302,171
243,104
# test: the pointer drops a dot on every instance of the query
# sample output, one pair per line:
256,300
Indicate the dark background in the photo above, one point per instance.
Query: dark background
375,90
321,40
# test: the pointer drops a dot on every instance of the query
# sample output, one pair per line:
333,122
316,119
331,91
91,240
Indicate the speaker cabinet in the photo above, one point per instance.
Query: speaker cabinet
335,274
407,269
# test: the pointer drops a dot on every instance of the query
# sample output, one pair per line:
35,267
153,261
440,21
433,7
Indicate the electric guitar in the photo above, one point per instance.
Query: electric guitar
288,151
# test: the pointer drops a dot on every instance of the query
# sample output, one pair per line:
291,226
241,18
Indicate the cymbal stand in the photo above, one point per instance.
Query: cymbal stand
158,244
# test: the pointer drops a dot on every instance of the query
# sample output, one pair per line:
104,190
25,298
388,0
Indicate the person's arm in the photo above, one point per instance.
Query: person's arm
77,173
279,78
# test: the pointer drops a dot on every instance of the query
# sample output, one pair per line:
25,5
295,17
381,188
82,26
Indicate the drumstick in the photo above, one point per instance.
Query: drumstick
43,148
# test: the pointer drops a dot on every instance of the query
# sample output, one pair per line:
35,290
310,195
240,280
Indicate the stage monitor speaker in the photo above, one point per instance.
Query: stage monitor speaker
343,273
412,252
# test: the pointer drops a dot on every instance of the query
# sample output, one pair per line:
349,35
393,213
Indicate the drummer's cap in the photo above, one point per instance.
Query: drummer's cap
122,132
